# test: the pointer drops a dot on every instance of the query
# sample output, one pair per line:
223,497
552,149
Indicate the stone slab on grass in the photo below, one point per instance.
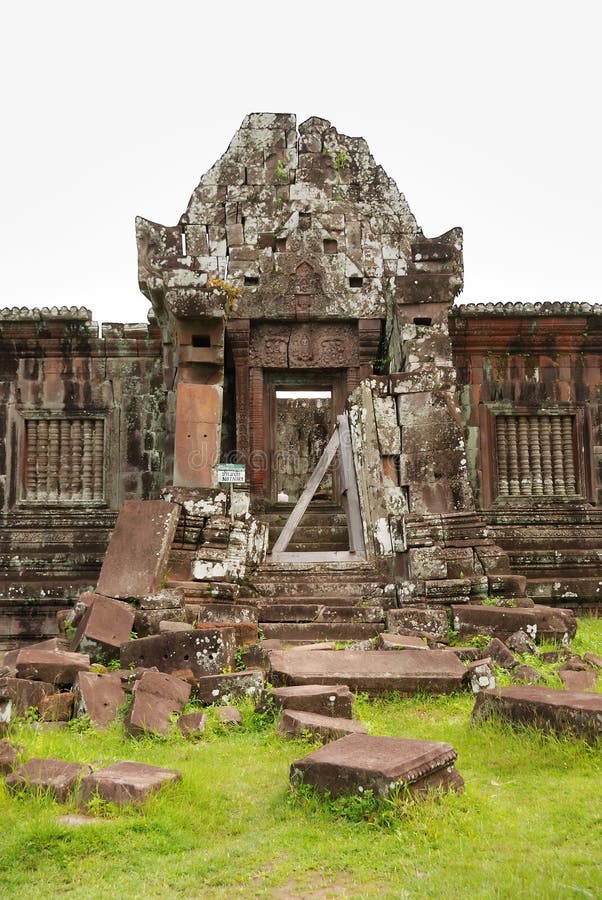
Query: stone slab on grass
155,698
322,699
295,723
137,555
230,686
103,628
17,695
10,756
563,712
99,697
372,671
57,776
52,666
540,623
125,782
362,762
206,651
192,724
228,715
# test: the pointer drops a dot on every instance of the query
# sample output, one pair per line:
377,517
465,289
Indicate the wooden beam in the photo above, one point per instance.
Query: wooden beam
351,496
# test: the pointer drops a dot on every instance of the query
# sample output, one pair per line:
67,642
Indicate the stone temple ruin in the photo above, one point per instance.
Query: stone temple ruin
296,299
307,442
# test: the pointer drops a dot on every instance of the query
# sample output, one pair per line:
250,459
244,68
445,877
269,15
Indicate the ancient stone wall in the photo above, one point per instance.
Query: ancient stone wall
82,428
531,398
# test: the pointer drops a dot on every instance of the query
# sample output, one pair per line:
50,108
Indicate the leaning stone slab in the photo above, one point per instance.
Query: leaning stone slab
52,666
321,699
192,724
230,686
295,723
228,715
363,762
387,641
56,707
17,695
99,697
421,620
103,628
500,654
10,756
136,558
575,712
56,776
206,651
155,698
540,623
375,671
125,782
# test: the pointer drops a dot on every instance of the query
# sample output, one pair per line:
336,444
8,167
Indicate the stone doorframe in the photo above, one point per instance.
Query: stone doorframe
336,354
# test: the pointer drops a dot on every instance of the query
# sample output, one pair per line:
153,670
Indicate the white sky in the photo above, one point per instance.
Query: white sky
487,115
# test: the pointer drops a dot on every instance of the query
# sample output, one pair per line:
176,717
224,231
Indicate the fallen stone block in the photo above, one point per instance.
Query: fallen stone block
578,677
56,707
55,667
125,782
155,698
467,654
228,715
563,712
10,756
420,619
527,675
105,625
166,599
375,672
99,697
384,765
148,621
540,623
18,695
481,675
500,654
56,776
137,555
521,643
334,700
243,618
387,641
192,724
230,686
593,660
295,723
168,627
206,651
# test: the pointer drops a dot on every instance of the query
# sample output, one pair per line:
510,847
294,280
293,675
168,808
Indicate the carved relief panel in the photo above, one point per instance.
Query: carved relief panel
304,345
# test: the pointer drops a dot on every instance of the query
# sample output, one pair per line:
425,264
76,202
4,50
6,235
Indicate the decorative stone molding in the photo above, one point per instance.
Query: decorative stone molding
520,308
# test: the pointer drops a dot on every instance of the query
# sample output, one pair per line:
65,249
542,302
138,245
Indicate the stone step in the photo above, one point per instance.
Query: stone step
355,592
315,546
372,671
319,612
327,600
320,631
323,528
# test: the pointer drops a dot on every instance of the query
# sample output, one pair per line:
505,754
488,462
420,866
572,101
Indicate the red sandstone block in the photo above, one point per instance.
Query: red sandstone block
126,782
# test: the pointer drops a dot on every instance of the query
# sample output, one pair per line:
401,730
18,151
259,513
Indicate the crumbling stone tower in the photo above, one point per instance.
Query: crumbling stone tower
299,262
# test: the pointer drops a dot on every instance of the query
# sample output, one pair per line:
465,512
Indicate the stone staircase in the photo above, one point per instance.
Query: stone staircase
322,528
303,601
336,601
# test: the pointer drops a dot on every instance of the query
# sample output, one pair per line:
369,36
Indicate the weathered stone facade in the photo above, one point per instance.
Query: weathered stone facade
298,265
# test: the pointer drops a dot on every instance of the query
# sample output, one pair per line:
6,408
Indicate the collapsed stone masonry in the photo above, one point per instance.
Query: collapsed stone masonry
298,266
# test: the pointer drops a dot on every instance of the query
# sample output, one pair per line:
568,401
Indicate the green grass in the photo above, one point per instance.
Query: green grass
529,823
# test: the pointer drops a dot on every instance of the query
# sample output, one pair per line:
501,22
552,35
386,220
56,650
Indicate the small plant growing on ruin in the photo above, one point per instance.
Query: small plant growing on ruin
229,292
281,171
